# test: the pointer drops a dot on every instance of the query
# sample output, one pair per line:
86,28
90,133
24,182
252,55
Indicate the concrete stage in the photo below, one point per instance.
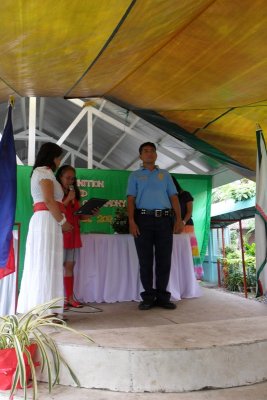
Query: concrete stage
213,347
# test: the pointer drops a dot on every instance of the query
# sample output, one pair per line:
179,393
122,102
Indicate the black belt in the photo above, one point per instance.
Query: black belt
156,213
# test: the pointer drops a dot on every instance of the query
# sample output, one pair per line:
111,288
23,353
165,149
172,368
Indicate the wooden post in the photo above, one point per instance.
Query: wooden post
243,259
219,272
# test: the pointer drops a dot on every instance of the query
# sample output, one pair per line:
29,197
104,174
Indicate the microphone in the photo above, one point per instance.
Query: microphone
71,187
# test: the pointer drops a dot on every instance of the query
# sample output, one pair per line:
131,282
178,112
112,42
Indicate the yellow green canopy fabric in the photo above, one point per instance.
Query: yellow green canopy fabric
198,66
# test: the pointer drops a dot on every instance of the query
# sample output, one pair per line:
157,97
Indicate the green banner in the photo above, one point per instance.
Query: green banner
107,184
112,184
200,188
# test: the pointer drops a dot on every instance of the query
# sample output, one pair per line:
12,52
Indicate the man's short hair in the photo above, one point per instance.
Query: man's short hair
150,144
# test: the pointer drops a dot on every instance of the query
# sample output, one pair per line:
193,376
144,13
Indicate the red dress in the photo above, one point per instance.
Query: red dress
72,239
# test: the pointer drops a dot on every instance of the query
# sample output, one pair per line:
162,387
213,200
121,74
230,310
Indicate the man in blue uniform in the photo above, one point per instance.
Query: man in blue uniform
152,205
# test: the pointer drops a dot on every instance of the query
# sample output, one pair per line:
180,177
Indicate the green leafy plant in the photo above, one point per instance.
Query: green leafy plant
232,267
120,222
251,276
20,332
239,191
233,277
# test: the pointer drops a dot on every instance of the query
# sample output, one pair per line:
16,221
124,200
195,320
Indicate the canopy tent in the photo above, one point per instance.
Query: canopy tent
194,68
228,212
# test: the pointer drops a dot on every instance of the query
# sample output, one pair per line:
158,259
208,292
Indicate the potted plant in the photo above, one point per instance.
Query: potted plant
120,222
21,337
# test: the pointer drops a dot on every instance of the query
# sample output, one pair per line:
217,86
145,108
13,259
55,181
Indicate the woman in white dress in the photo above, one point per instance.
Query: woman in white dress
42,278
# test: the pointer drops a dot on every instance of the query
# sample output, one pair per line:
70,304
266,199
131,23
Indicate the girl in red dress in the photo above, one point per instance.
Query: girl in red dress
72,240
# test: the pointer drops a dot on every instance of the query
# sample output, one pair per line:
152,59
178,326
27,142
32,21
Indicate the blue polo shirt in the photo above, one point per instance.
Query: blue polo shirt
151,189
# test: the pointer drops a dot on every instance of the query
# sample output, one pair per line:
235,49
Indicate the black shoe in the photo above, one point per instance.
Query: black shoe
168,305
145,306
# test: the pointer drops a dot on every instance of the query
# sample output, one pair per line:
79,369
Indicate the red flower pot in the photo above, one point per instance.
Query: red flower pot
8,365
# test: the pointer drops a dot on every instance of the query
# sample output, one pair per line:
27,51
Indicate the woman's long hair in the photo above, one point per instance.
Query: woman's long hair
61,172
178,187
46,156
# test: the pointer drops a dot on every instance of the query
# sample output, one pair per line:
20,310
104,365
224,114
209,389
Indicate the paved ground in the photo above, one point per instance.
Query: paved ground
253,392
214,308
214,305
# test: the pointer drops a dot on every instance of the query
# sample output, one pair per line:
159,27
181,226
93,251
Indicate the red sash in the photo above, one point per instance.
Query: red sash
41,206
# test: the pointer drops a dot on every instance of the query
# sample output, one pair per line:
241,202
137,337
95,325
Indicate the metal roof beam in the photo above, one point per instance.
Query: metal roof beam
94,121
181,160
68,131
23,112
32,130
120,139
142,138
41,113
41,136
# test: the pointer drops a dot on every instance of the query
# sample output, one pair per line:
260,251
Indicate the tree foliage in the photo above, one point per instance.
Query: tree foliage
241,190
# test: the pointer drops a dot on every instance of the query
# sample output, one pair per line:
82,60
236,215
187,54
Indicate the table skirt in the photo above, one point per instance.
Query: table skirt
107,269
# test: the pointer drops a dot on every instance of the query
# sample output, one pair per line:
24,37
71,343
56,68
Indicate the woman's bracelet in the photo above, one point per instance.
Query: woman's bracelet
62,222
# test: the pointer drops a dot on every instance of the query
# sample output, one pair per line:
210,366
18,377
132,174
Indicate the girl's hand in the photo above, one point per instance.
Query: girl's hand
71,196
95,211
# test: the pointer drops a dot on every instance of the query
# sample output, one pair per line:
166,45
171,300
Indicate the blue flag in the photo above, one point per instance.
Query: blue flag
8,193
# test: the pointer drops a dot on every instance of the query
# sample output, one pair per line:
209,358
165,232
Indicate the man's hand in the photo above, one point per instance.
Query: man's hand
133,228
178,226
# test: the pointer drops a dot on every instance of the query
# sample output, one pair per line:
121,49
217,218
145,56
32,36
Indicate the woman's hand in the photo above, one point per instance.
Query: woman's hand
178,227
47,188
67,227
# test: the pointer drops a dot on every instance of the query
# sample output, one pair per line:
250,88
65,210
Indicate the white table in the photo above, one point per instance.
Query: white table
107,269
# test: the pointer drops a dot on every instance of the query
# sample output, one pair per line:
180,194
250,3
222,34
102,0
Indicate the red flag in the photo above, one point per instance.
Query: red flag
10,265
8,193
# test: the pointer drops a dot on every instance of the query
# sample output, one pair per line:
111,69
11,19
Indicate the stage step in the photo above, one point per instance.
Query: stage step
256,392
173,358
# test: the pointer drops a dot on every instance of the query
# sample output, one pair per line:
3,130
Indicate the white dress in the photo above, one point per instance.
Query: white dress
42,278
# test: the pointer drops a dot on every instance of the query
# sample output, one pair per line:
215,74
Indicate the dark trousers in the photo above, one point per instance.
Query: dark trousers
155,237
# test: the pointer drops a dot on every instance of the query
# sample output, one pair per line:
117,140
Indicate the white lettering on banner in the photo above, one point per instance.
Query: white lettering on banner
111,203
83,193
90,183
115,203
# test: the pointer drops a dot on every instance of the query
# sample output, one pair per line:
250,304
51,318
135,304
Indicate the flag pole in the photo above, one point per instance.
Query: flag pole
11,101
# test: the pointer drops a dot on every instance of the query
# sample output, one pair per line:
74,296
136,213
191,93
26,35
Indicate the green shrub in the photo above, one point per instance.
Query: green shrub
233,270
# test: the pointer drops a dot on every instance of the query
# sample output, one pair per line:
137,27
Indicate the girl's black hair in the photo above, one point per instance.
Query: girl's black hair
46,155
178,187
59,174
